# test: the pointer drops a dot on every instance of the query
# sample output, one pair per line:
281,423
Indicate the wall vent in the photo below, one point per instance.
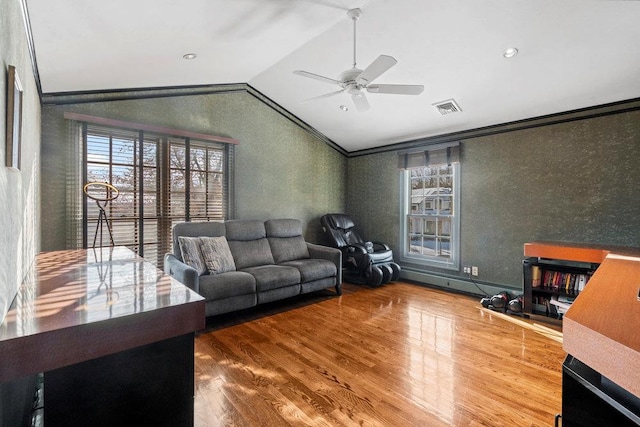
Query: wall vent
447,107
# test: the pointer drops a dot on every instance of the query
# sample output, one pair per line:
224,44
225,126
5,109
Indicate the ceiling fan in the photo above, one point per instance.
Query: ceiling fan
354,81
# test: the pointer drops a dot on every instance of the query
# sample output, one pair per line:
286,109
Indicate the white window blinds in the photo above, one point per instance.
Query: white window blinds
162,180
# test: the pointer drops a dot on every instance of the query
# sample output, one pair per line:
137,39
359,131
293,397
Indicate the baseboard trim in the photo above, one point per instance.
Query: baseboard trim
455,284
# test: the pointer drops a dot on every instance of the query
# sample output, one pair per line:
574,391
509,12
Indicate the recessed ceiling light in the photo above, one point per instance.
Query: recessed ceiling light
344,108
189,56
510,53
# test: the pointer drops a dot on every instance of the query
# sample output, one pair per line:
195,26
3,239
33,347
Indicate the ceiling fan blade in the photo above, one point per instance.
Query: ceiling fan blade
396,89
316,77
360,101
375,69
326,95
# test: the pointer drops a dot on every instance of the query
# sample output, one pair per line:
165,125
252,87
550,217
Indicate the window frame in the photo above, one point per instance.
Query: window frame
164,216
421,260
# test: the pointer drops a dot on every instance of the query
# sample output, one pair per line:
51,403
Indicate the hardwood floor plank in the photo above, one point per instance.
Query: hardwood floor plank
397,355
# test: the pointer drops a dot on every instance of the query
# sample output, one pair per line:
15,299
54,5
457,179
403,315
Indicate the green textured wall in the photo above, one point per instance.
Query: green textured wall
281,171
19,190
373,198
575,182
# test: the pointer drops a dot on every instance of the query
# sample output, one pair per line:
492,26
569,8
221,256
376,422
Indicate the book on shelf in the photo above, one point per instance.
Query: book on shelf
565,299
562,303
563,282
540,304
582,281
536,276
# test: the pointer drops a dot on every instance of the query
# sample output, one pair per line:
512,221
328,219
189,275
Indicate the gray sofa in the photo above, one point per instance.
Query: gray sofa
271,261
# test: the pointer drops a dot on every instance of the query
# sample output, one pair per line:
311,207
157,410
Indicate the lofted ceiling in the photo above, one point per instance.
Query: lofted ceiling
572,54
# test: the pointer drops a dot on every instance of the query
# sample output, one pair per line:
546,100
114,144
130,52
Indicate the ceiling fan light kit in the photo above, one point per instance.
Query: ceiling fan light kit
354,80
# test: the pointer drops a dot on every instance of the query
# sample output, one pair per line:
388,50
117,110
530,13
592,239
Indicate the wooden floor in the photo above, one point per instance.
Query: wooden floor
397,355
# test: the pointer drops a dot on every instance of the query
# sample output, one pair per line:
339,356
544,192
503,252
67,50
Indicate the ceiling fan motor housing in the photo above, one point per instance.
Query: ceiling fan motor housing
348,81
354,13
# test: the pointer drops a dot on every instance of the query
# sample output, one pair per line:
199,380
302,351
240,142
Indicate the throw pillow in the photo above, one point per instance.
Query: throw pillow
191,254
217,255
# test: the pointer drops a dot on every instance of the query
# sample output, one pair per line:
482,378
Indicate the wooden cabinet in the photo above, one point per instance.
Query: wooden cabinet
554,273
551,285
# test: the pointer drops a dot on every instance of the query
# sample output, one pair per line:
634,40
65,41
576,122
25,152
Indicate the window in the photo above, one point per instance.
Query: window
161,180
430,214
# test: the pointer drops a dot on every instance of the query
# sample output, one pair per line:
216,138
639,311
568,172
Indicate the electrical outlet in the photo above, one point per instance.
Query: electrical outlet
466,269
474,271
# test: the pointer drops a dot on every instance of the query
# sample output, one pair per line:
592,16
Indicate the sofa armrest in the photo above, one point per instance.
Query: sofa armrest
183,273
331,254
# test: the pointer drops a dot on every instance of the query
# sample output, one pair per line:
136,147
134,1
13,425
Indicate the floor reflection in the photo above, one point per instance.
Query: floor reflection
389,356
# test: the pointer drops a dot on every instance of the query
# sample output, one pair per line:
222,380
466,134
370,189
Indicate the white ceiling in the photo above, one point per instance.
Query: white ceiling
572,54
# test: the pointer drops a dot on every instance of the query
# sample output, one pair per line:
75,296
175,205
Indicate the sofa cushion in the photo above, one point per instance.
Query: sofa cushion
313,269
225,285
191,254
288,248
251,253
270,277
245,229
217,255
283,227
285,239
195,229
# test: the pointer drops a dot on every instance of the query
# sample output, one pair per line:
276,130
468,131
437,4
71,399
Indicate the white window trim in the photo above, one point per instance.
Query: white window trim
423,261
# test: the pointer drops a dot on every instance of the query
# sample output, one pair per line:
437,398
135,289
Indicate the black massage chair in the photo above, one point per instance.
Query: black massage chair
363,261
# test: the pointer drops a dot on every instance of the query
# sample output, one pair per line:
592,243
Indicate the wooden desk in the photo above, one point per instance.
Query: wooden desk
601,328
112,334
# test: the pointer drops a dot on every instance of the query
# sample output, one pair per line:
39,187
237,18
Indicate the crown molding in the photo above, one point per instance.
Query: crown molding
551,119
159,92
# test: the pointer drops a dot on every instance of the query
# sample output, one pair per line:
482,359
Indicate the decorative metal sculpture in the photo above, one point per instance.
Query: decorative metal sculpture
102,193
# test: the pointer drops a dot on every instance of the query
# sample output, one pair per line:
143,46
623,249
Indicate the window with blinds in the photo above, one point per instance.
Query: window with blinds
430,206
161,180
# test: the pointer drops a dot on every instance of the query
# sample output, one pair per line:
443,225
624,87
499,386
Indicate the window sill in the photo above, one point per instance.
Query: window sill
421,263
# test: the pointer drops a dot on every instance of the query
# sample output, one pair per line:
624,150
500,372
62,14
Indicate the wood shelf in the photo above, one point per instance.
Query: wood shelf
565,251
579,252
564,257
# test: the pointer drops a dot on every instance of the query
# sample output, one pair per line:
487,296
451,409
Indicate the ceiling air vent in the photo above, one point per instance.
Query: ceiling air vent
447,107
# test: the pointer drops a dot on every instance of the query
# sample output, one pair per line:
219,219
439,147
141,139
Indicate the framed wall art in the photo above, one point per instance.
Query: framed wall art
14,118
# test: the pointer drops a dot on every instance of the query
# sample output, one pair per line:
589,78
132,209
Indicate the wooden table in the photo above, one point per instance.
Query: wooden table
601,376
113,336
